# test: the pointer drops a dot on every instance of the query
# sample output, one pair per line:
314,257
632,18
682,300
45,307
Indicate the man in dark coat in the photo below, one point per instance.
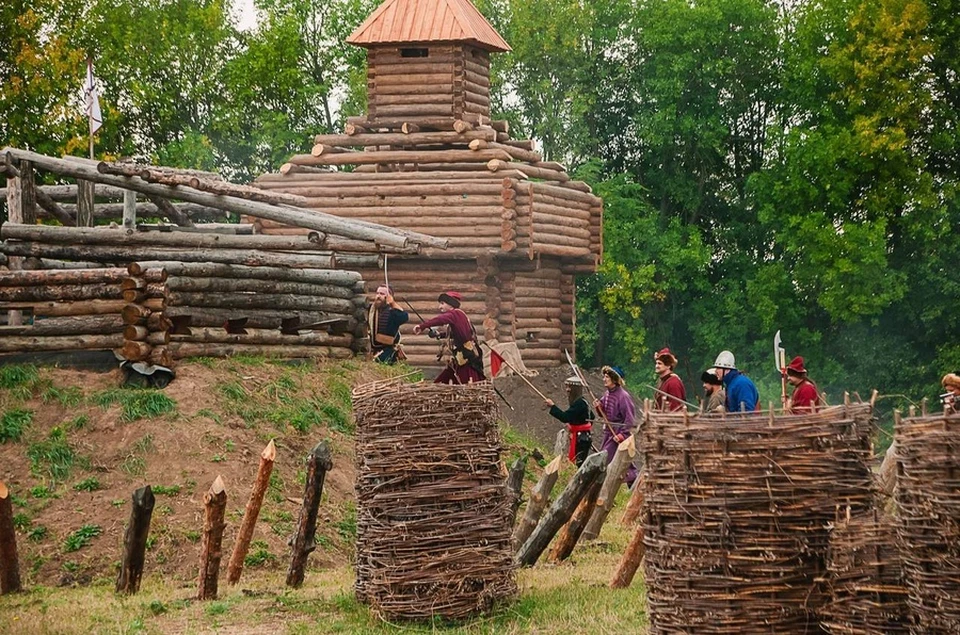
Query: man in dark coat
466,363
577,417
383,323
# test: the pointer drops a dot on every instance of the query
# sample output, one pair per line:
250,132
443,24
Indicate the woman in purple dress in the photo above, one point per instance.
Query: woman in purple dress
466,362
617,406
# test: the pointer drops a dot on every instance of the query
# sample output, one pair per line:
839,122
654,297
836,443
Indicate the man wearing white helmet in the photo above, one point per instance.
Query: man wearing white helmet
742,394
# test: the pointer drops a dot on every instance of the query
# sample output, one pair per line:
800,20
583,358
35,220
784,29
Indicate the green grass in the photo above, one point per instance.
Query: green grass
21,521
69,397
81,538
13,423
37,534
53,458
89,484
20,379
136,403
163,490
259,555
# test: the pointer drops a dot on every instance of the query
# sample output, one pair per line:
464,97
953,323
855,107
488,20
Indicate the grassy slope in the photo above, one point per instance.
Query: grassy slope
76,447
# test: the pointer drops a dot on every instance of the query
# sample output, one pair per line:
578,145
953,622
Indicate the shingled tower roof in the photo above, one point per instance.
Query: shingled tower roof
420,21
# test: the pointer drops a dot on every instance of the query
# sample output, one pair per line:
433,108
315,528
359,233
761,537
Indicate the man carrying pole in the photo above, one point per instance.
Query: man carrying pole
577,417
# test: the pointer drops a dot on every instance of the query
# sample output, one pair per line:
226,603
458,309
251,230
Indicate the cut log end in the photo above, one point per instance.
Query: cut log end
4,492
218,487
554,465
270,452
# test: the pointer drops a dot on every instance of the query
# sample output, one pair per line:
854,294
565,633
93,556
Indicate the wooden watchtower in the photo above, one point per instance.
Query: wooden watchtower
427,157
428,63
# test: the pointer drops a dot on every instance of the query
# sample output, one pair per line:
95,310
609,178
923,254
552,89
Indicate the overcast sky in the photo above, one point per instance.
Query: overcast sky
246,16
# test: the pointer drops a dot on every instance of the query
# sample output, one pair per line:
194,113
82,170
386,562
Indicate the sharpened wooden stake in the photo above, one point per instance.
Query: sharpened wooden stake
592,470
318,464
632,509
250,515
515,485
618,467
9,564
135,541
215,502
630,561
570,534
539,496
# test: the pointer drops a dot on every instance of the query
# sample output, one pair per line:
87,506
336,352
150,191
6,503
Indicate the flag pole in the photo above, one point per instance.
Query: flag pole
90,108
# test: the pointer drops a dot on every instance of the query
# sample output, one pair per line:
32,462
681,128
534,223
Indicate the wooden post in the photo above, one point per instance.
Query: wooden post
515,485
318,464
14,215
630,561
135,541
9,564
539,496
215,501
632,509
84,203
129,209
592,470
571,532
28,194
611,486
235,568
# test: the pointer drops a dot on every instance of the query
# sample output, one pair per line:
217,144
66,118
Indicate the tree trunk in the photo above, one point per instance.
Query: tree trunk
85,192
630,561
318,464
61,277
515,485
70,325
592,470
400,139
9,563
215,503
214,270
70,293
84,307
242,285
263,336
404,156
261,301
127,254
539,496
184,350
287,321
17,344
632,510
570,534
167,209
611,486
135,541
887,476
252,512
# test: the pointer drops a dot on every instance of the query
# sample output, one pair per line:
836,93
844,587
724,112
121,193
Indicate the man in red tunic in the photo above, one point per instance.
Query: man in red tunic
671,392
805,396
466,362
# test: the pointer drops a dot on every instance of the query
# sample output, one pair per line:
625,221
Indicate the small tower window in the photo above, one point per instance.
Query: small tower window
414,52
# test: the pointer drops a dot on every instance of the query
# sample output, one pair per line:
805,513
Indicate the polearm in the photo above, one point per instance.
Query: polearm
516,372
780,360
583,380
675,398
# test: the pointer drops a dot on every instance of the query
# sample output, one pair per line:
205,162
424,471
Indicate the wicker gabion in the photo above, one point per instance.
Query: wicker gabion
928,528
736,515
433,509
867,592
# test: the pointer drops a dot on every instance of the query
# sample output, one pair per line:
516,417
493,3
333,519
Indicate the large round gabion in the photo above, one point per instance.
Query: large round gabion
433,509
867,592
928,501
736,515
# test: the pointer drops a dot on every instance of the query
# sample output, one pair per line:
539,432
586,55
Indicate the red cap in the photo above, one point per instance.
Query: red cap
796,365
665,356
452,298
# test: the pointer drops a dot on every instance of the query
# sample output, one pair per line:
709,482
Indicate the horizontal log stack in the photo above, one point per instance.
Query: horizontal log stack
158,292
61,310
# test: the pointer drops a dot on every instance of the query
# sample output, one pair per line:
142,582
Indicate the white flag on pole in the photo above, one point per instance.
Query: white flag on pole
92,99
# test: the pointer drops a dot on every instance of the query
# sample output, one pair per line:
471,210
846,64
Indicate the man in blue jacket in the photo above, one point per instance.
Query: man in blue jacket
742,395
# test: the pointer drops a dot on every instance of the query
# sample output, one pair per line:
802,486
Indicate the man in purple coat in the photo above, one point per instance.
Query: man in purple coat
617,406
466,362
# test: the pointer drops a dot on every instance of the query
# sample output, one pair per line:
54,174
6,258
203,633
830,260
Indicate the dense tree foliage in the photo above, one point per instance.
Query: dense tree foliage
765,165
